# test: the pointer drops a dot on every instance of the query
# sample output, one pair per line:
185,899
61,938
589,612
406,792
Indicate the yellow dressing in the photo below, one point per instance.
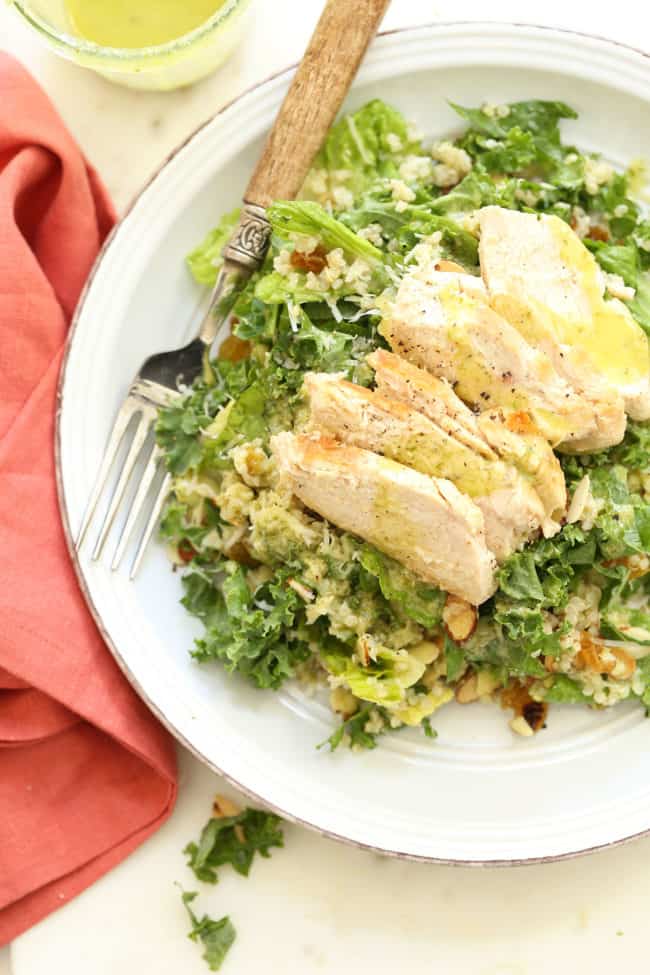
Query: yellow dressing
476,380
445,457
137,23
616,345
394,531
595,334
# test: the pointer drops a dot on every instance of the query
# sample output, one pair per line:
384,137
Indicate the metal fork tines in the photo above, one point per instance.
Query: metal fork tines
134,430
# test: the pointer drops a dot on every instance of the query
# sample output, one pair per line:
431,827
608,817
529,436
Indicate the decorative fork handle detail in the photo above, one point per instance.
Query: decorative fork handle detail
250,237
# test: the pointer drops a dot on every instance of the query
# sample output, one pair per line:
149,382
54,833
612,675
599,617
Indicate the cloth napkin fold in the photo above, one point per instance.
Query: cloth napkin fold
86,772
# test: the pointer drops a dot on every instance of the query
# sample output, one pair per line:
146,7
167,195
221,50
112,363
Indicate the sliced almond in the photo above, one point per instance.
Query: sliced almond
450,266
527,710
363,650
222,807
521,727
579,500
427,651
487,683
467,689
303,591
459,617
625,663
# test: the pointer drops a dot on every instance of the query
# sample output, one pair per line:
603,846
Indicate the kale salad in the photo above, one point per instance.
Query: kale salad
287,589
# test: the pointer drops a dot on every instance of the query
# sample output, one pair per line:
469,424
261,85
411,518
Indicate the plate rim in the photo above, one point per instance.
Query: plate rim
167,723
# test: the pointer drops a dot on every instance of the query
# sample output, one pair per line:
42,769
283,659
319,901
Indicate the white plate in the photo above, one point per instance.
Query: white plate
478,794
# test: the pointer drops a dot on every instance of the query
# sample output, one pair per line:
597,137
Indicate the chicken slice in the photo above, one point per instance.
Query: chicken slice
443,323
400,380
498,433
514,437
511,507
542,278
423,522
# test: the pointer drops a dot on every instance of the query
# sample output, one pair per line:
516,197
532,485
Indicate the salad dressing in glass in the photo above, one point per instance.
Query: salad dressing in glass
137,23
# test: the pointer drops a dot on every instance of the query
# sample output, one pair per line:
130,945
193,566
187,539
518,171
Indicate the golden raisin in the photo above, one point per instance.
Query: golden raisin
234,349
598,233
239,553
315,261
515,695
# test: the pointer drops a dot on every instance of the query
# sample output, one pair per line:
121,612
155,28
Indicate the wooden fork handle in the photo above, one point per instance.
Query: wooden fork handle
319,86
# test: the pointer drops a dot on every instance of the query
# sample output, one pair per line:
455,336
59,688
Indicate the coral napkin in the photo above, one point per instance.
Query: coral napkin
86,772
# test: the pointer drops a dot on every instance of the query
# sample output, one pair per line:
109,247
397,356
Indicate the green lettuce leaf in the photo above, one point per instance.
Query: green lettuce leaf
216,937
363,144
634,451
640,304
252,633
240,421
454,658
178,526
414,598
623,525
540,118
205,260
512,154
620,259
526,139
643,670
383,681
612,200
179,426
476,190
563,690
276,289
523,639
354,729
307,217
625,259
518,578
234,840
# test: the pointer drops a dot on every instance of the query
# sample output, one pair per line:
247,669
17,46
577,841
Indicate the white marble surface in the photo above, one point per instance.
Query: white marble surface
318,906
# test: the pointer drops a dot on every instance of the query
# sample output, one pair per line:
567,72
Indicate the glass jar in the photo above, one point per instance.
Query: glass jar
163,67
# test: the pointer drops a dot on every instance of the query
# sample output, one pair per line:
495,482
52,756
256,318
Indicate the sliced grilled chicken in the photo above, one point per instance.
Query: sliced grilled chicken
512,509
542,278
514,437
511,435
443,323
423,522
400,380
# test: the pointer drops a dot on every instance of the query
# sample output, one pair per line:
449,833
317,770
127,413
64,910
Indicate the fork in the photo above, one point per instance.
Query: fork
317,90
